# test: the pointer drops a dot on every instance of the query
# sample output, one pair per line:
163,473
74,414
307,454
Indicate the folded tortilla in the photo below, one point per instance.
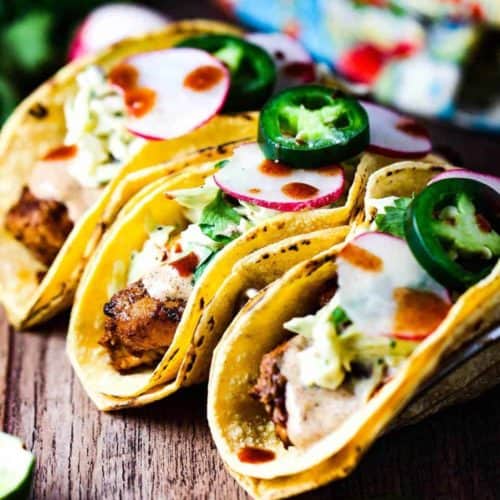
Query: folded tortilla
252,261
238,421
30,292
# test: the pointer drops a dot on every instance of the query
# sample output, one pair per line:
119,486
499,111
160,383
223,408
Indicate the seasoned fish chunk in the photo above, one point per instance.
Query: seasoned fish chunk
41,225
138,327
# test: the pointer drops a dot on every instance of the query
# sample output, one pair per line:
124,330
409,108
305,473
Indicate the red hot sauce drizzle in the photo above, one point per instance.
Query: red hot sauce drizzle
186,265
411,127
61,153
299,190
140,101
330,170
418,311
274,169
203,78
252,455
362,258
124,76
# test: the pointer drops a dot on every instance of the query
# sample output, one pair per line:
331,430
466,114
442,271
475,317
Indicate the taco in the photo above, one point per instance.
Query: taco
174,268
314,368
71,144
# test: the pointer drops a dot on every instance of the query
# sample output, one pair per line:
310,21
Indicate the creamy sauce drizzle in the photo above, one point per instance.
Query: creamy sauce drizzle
51,180
313,412
166,282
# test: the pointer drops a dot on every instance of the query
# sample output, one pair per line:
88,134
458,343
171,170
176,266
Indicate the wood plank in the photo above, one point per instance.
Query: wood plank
161,451
5,334
165,450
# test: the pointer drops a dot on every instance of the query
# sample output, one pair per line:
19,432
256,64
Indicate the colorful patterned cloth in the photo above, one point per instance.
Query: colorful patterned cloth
429,57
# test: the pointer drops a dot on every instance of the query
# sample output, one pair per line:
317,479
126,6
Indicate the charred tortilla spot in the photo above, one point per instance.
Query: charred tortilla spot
189,367
200,341
293,248
173,355
39,111
211,323
202,303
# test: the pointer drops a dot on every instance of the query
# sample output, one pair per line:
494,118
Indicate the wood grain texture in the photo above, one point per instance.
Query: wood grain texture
164,451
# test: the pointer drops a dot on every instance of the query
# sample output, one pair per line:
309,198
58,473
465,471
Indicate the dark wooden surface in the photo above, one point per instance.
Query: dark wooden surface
165,451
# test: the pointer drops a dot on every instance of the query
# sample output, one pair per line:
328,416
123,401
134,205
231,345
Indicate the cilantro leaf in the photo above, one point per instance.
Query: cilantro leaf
393,220
201,267
216,219
339,319
221,164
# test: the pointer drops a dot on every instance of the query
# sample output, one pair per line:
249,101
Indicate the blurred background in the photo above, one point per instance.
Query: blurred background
433,58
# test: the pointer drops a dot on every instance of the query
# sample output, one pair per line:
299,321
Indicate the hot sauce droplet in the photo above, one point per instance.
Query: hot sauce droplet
253,455
254,190
361,258
187,265
61,153
299,190
411,127
140,101
304,71
124,76
330,170
418,312
203,78
275,169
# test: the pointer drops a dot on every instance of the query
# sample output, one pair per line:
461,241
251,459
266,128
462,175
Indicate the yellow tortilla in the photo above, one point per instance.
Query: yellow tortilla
253,260
236,420
28,135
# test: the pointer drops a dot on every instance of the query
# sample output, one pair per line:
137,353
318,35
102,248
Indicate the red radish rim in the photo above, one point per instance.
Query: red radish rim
289,206
391,152
77,47
227,81
469,174
395,154
305,62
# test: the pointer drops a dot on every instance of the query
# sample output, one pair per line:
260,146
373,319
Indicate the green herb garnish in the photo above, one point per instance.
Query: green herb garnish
339,319
393,220
216,219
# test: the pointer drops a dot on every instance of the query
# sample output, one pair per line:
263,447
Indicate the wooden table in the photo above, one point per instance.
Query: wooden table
165,451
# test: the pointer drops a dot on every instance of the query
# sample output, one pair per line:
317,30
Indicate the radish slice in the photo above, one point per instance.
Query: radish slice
293,63
177,90
250,177
125,20
385,291
461,173
392,134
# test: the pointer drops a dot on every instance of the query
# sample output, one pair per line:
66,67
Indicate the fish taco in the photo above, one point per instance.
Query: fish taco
189,250
315,367
71,144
